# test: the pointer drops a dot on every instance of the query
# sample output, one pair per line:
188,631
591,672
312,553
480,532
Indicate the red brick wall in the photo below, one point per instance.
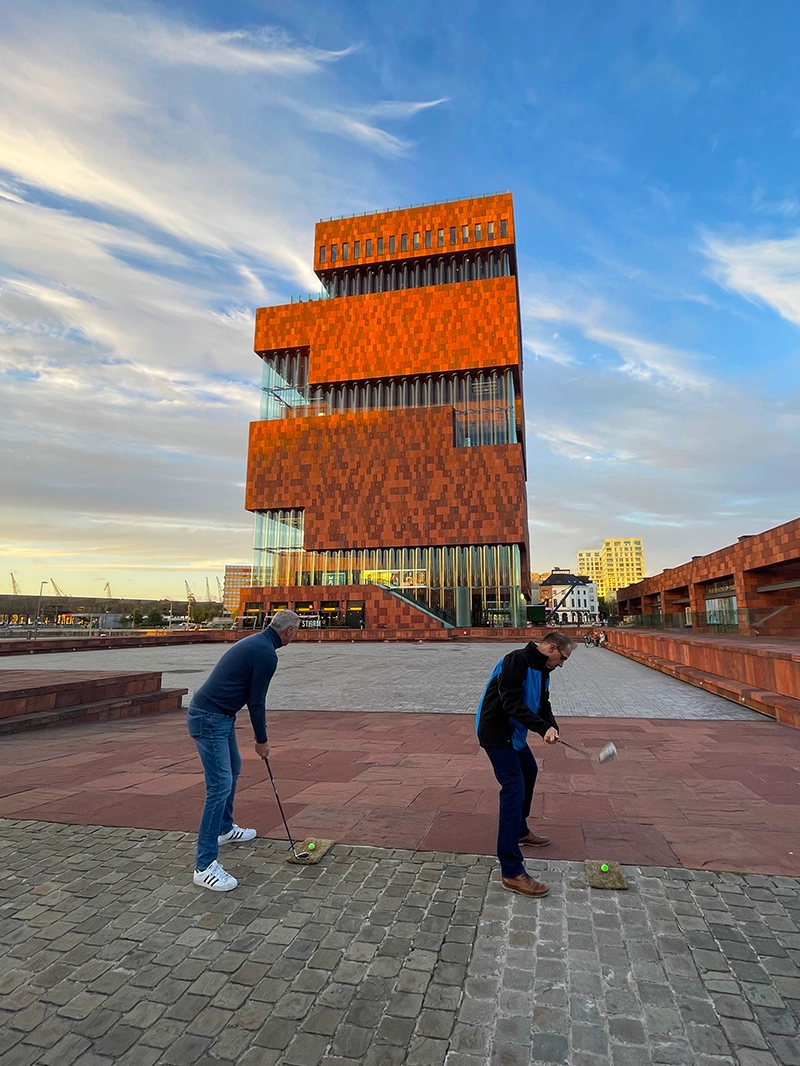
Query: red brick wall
382,610
777,548
387,479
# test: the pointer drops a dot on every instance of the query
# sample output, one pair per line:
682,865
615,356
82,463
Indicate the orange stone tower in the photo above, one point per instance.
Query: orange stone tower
387,472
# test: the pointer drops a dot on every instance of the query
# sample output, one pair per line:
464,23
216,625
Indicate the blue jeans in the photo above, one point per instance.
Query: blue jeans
516,773
214,735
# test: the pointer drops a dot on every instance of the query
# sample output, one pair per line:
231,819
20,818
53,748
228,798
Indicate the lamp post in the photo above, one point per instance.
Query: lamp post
38,609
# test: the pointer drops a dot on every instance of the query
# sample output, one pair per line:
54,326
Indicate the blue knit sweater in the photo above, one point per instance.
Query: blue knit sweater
242,677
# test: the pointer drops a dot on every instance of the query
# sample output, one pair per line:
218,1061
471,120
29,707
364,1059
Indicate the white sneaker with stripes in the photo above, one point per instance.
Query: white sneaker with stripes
215,878
237,835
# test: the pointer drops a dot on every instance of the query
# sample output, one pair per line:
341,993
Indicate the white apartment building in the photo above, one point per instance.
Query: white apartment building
573,599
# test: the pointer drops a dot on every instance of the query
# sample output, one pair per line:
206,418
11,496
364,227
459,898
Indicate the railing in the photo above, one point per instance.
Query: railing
447,617
782,621
411,207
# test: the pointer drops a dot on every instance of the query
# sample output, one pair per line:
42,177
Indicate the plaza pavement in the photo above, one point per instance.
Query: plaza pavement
418,678
381,958
408,953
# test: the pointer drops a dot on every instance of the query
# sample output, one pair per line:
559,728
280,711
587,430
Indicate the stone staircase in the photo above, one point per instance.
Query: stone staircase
748,693
34,699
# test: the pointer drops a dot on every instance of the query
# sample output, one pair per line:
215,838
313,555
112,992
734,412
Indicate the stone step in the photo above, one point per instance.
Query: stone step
35,691
783,709
158,702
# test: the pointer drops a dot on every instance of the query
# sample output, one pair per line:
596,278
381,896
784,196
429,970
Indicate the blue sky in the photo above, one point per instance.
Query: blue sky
161,170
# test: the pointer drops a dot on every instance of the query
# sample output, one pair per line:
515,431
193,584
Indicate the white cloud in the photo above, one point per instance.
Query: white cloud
157,186
638,441
767,271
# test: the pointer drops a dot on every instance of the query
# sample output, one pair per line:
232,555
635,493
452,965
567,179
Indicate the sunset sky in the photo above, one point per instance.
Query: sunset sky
161,171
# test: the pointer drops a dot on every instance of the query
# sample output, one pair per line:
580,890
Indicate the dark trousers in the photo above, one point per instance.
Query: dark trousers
516,773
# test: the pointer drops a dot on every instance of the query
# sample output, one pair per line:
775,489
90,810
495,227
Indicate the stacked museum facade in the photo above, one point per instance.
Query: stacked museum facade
387,471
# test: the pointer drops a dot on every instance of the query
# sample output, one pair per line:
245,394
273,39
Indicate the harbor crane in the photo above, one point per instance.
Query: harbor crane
190,599
219,590
58,591
107,589
208,592
17,591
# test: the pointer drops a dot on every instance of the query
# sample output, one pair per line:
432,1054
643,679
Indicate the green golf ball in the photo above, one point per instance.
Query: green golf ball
604,867
312,845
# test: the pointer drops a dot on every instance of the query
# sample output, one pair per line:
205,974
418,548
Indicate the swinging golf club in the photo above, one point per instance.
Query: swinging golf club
302,854
608,752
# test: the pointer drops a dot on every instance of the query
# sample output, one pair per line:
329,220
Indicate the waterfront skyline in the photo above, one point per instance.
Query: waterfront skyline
161,164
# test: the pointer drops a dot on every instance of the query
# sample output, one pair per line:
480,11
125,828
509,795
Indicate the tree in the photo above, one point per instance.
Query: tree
154,619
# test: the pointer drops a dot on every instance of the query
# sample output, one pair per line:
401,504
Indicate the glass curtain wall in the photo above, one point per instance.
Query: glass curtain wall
483,401
429,575
418,273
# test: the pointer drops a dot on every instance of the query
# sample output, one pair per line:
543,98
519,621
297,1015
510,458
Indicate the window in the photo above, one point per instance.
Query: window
369,247
345,250
356,249
334,250
428,238
490,231
322,253
440,238
404,243
416,242
452,234
478,231
380,245
464,234
391,245
503,227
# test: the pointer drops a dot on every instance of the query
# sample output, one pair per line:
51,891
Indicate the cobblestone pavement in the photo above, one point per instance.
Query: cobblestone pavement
381,958
417,677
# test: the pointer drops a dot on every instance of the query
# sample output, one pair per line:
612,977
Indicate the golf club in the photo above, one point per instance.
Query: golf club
302,854
608,752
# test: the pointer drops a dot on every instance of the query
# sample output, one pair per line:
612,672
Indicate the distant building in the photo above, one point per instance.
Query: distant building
572,598
618,563
236,578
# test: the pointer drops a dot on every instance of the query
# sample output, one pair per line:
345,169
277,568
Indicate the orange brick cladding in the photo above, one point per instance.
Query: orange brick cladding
433,217
394,478
415,331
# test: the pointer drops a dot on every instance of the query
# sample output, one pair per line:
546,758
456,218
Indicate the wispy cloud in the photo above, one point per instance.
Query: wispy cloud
155,186
767,271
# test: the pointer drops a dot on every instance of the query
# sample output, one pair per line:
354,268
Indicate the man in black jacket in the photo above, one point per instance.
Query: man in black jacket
515,700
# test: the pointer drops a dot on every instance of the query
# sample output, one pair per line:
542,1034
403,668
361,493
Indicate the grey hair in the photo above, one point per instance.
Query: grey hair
283,620
561,640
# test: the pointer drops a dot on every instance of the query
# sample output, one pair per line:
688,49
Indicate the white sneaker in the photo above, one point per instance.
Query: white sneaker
236,835
215,878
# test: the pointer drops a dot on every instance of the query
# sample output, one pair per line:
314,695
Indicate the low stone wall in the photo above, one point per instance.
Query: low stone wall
764,678
42,645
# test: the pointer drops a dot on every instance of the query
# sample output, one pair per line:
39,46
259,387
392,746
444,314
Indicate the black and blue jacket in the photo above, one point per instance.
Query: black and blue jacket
516,699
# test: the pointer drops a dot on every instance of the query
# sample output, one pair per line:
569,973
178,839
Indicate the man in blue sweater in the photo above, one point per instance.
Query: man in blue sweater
241,677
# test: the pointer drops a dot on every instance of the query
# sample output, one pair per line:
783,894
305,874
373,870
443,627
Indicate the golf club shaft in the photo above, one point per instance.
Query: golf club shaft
280,806
572,747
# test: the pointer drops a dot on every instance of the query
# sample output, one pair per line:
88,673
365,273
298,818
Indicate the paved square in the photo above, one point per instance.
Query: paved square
419,677
381,958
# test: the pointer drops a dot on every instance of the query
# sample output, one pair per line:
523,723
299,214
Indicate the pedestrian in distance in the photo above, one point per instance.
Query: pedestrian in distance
516,699
240,678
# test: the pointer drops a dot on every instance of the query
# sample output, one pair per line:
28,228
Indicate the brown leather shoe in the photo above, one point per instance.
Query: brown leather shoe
525,885
535,841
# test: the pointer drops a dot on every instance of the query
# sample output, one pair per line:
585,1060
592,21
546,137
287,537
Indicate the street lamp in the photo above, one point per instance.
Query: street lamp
38,609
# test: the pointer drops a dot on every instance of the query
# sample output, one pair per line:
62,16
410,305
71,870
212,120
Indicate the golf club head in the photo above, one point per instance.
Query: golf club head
608,752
